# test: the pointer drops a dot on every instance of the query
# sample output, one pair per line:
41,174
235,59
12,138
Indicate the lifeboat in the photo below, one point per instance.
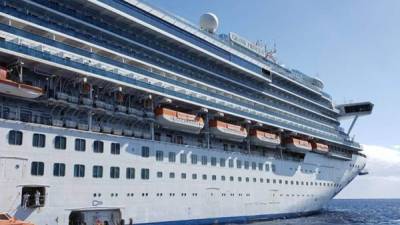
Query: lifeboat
298,145
319,147
10,87
227,131
6,219
265,139
175,120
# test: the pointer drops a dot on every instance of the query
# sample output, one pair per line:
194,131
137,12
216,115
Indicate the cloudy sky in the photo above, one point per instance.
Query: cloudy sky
353,46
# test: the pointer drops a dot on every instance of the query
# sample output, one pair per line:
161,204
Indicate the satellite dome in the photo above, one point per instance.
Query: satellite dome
209,22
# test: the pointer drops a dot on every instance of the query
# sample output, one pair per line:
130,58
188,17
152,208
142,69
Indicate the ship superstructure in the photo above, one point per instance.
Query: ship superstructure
114,111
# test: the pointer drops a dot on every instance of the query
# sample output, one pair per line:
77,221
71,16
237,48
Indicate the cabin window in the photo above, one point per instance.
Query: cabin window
183,158
267,167
214,177
159,155
260,166
172,175
114,172
60,142
273,168
240,179
79,170
15,137
246,165
39,140
247,179
179,140
145,152
80,145
130,173
97,171
194,176
230,163
115,148
226,147
193,158
157,136
231,178
204,176
223,178
253,165
59,169
171,157
238,164
98,147
37,168
213,161
222,162
203,160
169,138
254,179
183,175
145,174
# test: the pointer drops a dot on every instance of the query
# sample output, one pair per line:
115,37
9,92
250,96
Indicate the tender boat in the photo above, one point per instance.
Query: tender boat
265,139
176,120
10,87
298,145
319,147
227,131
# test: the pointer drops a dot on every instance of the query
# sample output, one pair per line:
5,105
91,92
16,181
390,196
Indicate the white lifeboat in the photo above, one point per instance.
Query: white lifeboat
298,145
266,139
10,87
227,131
175,120
319,147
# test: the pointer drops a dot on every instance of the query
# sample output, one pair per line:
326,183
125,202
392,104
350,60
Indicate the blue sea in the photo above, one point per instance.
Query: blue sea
352,212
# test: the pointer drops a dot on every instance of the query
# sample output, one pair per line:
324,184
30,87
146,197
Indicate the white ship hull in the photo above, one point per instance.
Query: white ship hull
162,200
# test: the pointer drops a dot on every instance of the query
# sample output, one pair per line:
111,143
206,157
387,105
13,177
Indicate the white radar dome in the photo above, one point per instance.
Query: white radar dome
209,22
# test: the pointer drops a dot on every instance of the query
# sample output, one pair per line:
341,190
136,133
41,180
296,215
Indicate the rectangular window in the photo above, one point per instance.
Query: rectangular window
253,165
60,142
231,178
98,147
145,174
39,140
15,137
273,168
80,145
37,168
79,170
183,175
171,175
97,171
222,162
238,164
59,169
223,178
204,176
267,167
230,163
159,155
183,158
240,179
171,157
246,165
115,148
213,161
114,172
130,173
193,158
145,152
159,174
203,160
194,176
260,166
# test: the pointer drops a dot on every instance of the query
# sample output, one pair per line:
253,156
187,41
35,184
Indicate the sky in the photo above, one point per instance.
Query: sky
352,46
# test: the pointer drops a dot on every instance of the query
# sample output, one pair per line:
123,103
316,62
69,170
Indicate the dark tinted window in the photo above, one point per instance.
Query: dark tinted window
59,169
37,168
15,137
60,142
39,140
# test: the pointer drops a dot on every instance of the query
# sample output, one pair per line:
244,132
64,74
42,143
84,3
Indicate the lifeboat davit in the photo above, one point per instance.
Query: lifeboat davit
265,139
227,131
298,145
10,87
180,121
319,147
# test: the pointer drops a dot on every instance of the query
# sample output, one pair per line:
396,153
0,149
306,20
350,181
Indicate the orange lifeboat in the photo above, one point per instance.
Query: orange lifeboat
10,87
298,145
265,139
227,131
180,121
319,147
6,219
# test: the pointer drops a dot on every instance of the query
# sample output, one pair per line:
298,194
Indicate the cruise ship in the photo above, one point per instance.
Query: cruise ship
117,112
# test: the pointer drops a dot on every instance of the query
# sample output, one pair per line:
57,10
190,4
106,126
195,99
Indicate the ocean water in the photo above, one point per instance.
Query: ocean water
352,212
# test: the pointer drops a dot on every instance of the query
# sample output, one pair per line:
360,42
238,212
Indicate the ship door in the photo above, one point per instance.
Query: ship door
12,168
